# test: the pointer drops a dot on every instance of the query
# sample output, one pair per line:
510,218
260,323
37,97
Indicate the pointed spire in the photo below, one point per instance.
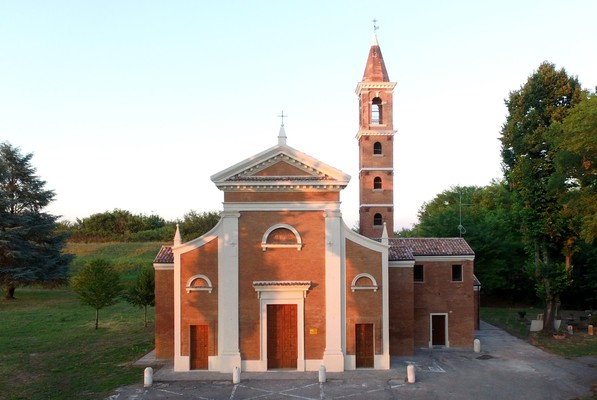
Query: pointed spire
384,235
375,70
177,239
374,41
282,133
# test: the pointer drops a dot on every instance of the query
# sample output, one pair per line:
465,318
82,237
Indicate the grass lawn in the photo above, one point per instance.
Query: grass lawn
125,256
49,347
576,345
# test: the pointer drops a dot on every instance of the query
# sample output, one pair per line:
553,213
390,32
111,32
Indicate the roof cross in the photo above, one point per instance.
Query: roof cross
375,26
282,117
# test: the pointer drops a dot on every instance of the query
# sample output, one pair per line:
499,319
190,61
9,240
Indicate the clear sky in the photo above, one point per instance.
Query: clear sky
135,104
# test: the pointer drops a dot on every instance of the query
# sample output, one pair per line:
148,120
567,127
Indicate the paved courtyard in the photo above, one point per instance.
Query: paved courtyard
506,368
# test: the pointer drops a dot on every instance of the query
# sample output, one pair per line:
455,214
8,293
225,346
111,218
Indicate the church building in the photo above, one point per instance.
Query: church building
281,282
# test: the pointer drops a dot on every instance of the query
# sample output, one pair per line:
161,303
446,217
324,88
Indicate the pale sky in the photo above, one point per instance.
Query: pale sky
135,104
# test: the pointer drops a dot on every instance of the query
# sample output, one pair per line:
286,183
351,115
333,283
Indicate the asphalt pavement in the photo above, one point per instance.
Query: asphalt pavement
506,368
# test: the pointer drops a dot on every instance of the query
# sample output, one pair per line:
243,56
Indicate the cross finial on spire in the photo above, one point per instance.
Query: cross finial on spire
282,117
375,26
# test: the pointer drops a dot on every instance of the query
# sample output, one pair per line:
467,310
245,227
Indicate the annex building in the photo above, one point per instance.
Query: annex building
282,282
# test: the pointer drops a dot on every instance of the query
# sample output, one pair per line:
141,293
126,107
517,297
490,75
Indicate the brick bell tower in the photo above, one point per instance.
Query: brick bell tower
376,147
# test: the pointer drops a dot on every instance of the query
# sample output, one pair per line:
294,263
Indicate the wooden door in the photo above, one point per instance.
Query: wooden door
281,336
364,345
199,346
438,330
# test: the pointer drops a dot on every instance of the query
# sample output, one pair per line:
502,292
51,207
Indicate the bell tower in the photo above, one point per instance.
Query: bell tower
376,147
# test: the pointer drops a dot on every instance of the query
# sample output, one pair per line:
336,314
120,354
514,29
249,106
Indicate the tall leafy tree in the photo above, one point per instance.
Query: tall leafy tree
31,250
97,284
486,221
528,152
575,140
143,293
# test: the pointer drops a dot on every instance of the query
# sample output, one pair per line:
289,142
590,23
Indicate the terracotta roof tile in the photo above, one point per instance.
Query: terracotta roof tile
164,256
402,249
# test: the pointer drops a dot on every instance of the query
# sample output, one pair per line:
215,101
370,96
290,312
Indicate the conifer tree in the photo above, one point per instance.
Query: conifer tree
31,251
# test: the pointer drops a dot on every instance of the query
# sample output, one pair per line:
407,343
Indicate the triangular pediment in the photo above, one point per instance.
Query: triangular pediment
283,168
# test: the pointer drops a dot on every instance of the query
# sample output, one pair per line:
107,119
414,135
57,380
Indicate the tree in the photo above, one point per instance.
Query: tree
575,140
143,293
489,226
196,224
528,152
30,246
97,284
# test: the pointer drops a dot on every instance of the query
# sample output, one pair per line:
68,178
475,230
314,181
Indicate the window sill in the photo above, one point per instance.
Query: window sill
265,246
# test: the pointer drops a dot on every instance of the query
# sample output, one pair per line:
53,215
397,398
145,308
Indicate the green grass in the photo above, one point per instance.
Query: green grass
125,256
49,348
579,344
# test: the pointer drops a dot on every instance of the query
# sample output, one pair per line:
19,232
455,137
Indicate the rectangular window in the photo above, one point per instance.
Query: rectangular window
418,273
457,273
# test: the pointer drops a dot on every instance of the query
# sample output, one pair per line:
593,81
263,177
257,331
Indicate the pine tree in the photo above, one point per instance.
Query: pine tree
31,251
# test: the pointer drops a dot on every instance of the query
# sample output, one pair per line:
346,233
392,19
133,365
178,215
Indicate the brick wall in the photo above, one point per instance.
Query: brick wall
201,307
281,196
401,304
164,313
282,264
363,306
439,294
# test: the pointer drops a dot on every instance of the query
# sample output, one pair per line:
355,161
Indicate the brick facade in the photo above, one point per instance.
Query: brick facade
282,244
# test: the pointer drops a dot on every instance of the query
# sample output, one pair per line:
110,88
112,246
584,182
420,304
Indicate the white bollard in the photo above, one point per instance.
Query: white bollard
148,377
477,346
410,373
322,377
236,375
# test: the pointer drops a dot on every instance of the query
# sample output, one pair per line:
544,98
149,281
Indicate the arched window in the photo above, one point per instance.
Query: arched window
199,283
364,281
376,115
377,183
281,236
377,220
377,148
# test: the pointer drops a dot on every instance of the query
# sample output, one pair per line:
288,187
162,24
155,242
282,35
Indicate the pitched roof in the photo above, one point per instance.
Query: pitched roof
375,70
403,249
283,167
164,256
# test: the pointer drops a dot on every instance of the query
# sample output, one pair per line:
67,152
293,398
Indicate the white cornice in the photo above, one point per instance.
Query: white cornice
163,266
282,206
376,205
443,258
402,264
369,132
281,186
376,169
374,85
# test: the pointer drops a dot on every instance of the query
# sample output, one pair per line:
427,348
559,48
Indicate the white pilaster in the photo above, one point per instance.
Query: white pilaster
228,317
333,356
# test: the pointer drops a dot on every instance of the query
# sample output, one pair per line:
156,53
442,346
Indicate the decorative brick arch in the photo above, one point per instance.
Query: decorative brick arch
205,286
294,238
355,286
